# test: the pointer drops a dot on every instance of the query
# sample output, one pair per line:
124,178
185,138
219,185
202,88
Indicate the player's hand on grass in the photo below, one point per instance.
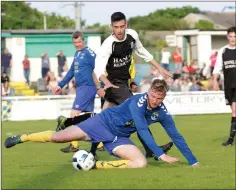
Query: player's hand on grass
168,159
195,165
101,92
56,90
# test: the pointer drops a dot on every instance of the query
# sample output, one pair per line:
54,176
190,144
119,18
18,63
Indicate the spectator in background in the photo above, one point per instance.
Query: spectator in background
26,67
165,58
133,87
4,78
213,61
7,90
6,62
45,64
185,67
177,61
193,67
61,58
52,83
65,89
195,87
185,86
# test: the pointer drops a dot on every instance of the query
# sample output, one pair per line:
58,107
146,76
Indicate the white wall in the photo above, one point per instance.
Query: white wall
204,48
218,42
36,67
16,47
94,42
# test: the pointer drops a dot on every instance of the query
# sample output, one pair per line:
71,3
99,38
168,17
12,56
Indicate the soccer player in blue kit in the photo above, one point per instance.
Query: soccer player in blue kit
114,126
82,69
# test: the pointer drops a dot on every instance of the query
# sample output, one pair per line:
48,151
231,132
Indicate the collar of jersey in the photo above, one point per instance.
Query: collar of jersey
82,49
230,47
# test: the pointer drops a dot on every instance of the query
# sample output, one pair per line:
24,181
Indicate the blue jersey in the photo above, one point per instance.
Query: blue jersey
81,68
134,115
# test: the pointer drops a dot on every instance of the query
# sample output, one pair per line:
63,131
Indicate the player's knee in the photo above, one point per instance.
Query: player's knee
140,163
56,138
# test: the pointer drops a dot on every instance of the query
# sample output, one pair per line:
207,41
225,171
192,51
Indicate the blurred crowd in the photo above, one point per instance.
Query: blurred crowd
187,76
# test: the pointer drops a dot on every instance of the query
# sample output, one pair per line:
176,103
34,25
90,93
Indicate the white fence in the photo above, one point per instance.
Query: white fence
50,107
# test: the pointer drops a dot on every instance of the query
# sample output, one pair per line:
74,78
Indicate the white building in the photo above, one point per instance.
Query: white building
35,42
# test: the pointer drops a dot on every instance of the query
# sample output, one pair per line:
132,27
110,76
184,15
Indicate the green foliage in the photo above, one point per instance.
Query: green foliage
103,28
160,44
19,15
163,19
204,25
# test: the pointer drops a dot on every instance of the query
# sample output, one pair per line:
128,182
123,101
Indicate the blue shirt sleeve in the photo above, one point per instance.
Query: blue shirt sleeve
92,60
91,57
68,77
169,126
137,111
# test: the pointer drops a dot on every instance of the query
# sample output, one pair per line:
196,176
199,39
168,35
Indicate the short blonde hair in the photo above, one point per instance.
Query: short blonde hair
159,85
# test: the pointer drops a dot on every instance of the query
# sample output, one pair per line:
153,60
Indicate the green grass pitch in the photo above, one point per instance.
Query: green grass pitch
43,166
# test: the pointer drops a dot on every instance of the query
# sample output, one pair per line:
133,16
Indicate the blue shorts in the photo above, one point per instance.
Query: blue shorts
98,132
84,98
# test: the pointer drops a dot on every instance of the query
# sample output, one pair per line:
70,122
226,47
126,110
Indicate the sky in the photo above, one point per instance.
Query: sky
99,12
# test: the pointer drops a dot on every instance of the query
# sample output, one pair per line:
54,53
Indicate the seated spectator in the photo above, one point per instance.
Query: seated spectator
4,78
193,67
185,86
52,82
195,86
7,90
176,86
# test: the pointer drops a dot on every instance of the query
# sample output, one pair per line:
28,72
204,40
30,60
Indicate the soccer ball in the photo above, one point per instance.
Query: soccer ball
83,161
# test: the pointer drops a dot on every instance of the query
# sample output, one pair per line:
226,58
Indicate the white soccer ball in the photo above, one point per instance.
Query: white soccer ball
83,161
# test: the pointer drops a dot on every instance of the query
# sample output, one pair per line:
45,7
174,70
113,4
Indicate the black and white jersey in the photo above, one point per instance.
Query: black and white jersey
114,56
226,61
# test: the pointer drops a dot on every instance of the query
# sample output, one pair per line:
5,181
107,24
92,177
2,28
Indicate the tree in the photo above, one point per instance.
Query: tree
204,25
19,15
163,19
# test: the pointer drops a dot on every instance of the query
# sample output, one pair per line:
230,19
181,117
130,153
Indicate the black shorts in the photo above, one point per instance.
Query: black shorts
118,95
230,96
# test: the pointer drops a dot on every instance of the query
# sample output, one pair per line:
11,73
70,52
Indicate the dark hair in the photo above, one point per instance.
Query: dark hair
117,16
159,85
78,34
231,29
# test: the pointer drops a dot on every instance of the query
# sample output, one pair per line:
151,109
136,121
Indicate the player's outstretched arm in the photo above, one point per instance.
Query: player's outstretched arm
169,126
143,53
137,110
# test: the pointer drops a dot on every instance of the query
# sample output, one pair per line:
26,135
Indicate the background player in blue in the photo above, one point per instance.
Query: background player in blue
114,127
82,69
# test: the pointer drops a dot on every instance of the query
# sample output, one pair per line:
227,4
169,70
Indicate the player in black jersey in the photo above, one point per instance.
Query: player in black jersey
114,58
226,61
